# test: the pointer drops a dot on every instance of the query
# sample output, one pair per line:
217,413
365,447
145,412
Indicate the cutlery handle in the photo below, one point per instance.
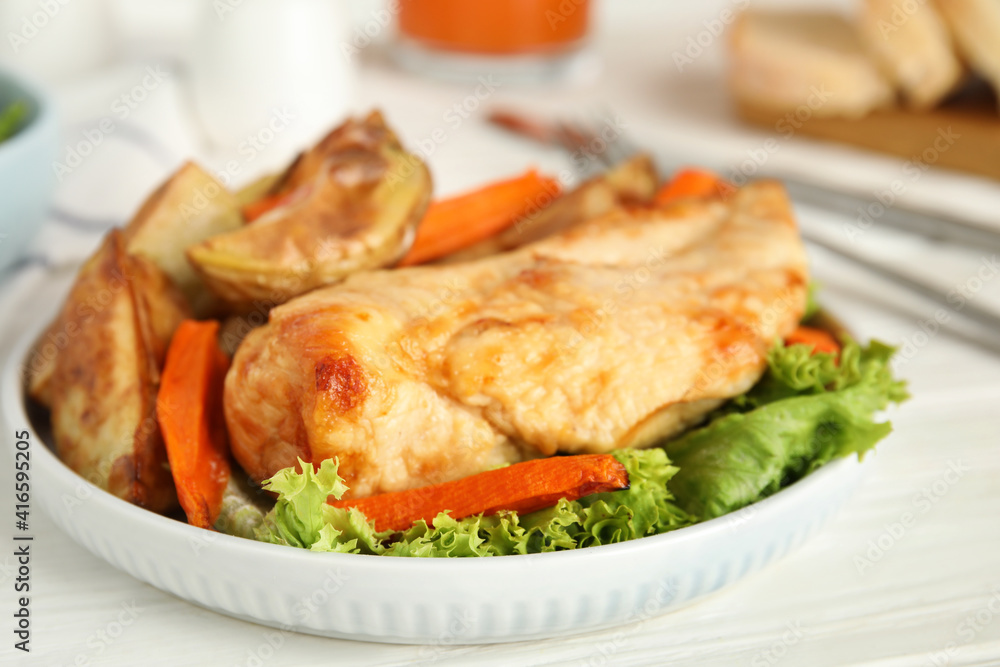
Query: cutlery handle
867,213
968,310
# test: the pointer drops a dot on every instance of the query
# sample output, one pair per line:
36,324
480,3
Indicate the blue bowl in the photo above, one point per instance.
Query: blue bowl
27,178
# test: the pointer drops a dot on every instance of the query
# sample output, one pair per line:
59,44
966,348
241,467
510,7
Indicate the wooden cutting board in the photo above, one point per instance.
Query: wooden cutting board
962,134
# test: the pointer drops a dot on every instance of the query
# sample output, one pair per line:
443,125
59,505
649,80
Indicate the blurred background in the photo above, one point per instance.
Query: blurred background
884,106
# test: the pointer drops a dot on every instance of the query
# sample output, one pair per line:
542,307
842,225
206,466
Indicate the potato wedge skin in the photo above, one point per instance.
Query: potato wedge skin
118,319
188,208
41,364
357,200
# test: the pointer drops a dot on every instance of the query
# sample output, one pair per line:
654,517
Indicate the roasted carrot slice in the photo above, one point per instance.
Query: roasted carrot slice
189,409
692,184
265,204
459,222
821,341
522,487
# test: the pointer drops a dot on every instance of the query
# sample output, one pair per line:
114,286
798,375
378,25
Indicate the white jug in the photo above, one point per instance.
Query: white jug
257,60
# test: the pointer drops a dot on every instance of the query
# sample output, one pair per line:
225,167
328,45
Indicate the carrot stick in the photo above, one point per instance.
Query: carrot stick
459,222
254,210
189,409
821,341
692,184
522,487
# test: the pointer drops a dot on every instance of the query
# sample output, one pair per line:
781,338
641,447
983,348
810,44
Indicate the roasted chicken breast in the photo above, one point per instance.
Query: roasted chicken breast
617,332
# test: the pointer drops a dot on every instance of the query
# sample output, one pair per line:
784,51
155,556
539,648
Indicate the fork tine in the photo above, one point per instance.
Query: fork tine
585,139
577,144
590,137
623,147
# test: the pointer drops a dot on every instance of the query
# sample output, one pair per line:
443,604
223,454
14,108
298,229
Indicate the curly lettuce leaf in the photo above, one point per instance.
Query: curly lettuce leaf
302,518
298,514
807,410
648,505
446,538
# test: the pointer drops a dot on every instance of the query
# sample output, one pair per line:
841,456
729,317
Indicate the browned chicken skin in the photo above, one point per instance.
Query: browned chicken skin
616,333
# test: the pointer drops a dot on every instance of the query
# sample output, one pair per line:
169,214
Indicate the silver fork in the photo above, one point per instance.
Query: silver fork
601,143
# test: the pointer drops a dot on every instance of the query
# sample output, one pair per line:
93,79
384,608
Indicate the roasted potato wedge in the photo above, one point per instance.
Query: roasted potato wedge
632,181
117,321
189,208
354,202
41,363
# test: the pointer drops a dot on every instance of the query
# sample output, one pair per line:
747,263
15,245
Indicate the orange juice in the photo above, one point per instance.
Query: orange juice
495,27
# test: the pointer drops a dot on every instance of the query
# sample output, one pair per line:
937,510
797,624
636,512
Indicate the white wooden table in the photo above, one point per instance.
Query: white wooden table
868,590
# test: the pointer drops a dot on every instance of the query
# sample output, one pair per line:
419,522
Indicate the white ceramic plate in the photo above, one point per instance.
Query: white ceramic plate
431,601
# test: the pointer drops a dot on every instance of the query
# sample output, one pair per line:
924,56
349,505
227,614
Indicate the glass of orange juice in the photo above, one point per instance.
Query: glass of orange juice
514,40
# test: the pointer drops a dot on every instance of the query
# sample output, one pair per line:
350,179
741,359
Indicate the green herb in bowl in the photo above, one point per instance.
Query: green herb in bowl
12,118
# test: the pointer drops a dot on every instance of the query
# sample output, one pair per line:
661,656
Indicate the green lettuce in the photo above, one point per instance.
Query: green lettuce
805,411
302,518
